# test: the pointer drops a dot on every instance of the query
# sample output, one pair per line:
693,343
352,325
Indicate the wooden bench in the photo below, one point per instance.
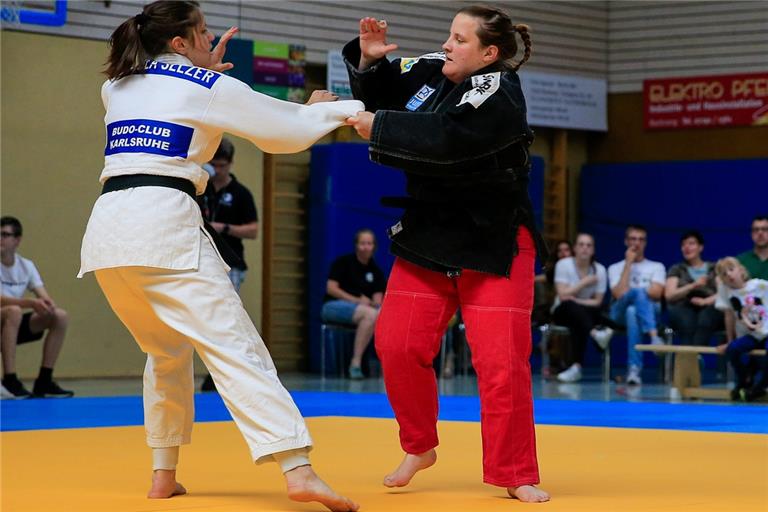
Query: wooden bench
687,375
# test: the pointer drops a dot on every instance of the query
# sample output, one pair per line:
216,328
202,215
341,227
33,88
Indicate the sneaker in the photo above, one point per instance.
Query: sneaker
657,341
602,336
633,377
50,390
572,374
207,384
15,389
355,373
736,394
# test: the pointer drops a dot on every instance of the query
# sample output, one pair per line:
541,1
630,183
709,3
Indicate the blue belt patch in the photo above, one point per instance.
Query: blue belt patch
419,98
200,76
148,136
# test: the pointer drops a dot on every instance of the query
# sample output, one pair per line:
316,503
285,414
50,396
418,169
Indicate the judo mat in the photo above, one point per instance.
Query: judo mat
88,454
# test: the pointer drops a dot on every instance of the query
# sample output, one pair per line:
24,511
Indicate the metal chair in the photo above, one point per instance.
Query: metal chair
326,331
549,329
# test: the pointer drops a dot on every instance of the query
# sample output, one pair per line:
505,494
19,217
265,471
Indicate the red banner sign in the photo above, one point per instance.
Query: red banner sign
706,101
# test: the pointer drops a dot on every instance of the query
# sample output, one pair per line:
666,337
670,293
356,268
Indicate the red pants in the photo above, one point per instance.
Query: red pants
417,307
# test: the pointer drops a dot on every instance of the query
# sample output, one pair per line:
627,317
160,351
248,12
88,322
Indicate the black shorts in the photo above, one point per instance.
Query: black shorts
26,335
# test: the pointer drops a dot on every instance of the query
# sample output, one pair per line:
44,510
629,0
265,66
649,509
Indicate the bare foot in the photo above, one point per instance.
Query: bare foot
164,485
304,485
410,466
528,494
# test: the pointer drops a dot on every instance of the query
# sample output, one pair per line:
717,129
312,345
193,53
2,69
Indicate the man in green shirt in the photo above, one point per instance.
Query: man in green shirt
756,260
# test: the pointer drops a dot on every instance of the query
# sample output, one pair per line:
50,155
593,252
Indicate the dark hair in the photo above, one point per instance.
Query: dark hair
692,234
495,28
147,34
760,217
225,151
635,227
7,220
550,265
364,231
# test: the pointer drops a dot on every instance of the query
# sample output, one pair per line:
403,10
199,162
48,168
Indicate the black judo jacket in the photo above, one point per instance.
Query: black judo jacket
464,150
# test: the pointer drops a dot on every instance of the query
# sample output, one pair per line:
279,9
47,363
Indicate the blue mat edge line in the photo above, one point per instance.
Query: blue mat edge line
90,412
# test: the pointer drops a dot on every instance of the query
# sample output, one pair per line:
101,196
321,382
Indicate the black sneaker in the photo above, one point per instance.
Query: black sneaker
753,394
50,390
208,384
14,389
736,394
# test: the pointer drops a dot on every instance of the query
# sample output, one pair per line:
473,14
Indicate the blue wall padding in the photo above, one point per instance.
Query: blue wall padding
718,198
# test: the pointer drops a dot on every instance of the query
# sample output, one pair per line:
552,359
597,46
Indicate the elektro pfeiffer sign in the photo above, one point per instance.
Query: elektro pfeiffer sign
706,101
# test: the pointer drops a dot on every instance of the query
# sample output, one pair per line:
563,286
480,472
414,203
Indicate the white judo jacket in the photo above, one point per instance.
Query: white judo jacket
169,121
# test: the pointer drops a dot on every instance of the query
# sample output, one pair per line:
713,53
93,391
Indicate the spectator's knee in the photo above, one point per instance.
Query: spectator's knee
12,314
60,318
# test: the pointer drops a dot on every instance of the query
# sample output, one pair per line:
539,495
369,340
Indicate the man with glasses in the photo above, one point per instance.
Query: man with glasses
19,275
637,285
756,260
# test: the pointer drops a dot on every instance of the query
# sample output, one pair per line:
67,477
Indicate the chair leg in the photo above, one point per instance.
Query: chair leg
323,341
544,350
607,363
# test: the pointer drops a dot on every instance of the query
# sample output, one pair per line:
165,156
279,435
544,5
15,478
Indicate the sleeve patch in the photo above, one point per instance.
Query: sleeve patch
483,87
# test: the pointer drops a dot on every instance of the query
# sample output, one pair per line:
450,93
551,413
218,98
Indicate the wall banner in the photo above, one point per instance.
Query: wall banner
706,101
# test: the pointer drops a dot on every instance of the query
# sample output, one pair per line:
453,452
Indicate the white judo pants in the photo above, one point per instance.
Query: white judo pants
170,313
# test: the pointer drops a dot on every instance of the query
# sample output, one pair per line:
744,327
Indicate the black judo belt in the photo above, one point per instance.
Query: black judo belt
150,180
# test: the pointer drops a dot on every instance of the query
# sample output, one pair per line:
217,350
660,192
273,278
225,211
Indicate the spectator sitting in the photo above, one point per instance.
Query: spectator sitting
747,299
543,298
756,260
580,283
355,290
19,275
691,291
637,285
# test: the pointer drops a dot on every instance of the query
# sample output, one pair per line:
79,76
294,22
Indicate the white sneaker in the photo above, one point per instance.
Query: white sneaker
5,394
572,374
657,341
633,377
602,336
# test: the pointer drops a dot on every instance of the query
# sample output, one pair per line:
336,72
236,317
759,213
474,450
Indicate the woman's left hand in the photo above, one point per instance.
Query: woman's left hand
362,122
217,54
321,96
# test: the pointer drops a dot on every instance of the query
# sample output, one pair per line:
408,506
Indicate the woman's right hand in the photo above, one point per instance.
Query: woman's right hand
373,42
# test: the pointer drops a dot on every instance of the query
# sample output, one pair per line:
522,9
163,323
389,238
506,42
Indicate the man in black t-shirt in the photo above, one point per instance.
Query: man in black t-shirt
229,208
353,295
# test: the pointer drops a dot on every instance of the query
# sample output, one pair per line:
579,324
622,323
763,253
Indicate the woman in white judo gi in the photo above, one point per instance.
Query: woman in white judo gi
167,106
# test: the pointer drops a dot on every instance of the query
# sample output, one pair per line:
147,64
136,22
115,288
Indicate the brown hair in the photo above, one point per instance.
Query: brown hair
495,28
147,34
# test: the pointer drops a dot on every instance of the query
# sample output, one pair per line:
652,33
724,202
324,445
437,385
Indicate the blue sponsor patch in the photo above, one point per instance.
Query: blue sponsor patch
419,98
148,136
200,76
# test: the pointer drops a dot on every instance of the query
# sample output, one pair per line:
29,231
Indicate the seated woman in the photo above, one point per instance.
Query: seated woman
691,291
580,283
353,295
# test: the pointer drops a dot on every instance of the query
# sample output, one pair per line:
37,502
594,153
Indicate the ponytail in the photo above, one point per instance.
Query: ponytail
127,54
147,35
525,35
